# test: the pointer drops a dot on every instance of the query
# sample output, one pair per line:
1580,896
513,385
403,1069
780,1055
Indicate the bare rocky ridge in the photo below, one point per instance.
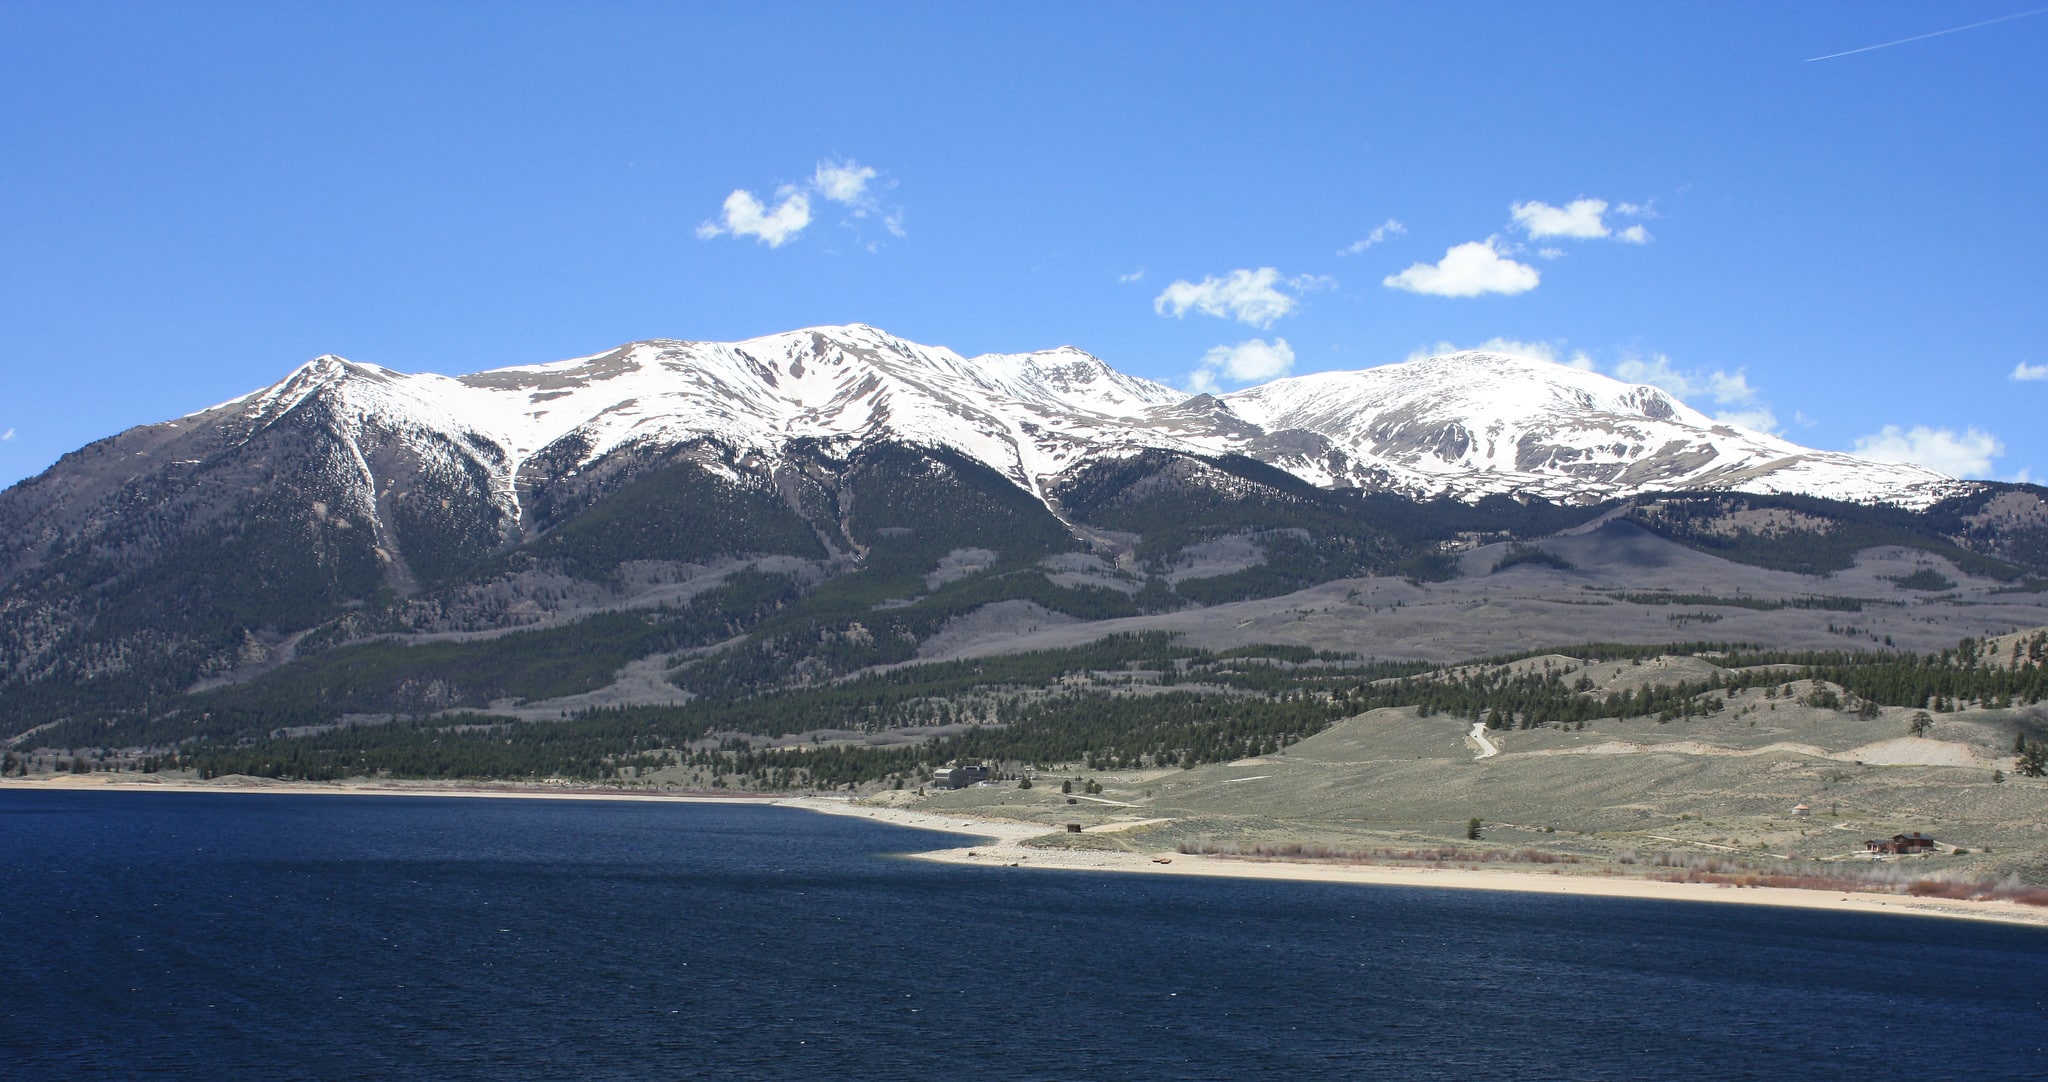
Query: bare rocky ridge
488,459
1465,424
832,557
349,500
479,446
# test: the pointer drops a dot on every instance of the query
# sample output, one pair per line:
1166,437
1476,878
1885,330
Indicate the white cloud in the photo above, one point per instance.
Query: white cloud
2030,372
1730,390
843,182
1549,253
746,216
1553,352
1135,276
1758,418
1468,270
1737,402
847,183
7,435
1244,295
1246,362
1728,397
1580,219
1657,372
1965,455
1380,233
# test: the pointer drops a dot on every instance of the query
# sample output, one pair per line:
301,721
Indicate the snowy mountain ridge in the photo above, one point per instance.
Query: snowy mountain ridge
1474,423
351,500
1466,424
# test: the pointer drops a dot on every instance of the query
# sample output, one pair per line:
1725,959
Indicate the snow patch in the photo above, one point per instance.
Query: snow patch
1466,424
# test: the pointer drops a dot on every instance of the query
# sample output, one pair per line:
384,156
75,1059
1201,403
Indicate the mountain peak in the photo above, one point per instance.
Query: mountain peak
1475,422
1468,423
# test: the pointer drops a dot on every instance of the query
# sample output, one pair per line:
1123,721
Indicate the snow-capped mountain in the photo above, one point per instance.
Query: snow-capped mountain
350,499
1472,423
1465,424
1029,416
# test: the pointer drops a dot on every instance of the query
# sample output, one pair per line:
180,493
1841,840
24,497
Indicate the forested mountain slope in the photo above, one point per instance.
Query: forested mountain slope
673,519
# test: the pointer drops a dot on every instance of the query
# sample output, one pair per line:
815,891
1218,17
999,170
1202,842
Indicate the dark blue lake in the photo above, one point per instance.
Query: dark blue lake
254,936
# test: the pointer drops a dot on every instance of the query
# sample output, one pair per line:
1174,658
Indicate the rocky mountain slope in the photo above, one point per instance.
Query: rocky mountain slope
1465,425
1472,423
874,490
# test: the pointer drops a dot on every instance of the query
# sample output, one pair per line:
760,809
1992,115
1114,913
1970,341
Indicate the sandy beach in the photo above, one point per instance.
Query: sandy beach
1001,844
1004,848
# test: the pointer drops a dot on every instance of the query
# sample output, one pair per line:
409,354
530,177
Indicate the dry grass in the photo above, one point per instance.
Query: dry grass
1666,867
2008,890
1439,857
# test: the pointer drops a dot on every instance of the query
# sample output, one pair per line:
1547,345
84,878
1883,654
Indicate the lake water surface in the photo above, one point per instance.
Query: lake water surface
260,936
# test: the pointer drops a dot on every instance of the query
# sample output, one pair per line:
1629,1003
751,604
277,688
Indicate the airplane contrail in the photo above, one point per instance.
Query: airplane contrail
1923,37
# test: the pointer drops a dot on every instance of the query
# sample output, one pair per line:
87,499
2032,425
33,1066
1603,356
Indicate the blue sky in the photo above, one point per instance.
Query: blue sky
196,198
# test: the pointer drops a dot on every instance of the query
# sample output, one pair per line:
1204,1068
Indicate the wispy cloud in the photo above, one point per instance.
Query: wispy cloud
1580,219
1729,396
1249,296
1757,419
2030,372
1968,454
6,436
1134,276
850,184
1380,234
1246,362
846,183
842,182
1467,270
1554,352
1657,371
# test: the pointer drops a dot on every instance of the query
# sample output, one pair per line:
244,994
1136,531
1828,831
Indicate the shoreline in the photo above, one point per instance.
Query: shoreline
1004,847
1006,850
89,783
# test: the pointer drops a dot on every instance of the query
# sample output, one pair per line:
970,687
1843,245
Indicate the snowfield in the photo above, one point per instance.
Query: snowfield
1465,425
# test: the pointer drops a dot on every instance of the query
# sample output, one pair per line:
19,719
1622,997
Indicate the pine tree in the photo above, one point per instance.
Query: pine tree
2034,760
